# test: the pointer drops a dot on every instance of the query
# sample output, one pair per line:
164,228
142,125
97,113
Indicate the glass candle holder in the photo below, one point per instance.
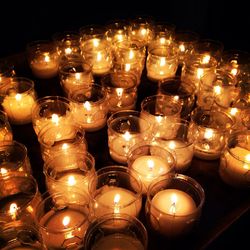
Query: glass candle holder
209,130
75,74
19,99
43,58
104,233
235,160
121,91
5,128
61,139
14,158
160,111
180,90
19,198
51,110
115,190
149,162
162,62
174,205
197,66
89,107
64,174
125,129
6,73
177,142
62,223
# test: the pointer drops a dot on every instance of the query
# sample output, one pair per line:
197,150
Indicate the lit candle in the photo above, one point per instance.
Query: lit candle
172,212
18,107
235,167
45,65
149,168
61,228
117,200
118,241
183,152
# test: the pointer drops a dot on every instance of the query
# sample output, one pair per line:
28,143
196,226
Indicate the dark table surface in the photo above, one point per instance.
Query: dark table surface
225,219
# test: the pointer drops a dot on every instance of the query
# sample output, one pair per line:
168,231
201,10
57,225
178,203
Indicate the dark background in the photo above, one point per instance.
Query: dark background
23,22
228,22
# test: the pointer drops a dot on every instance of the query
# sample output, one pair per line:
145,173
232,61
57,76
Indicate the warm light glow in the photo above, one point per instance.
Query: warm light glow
206,59
18,97
162,40
13,210
176,98
78,76
116,201
127,67
208,134
3,171
217,90
143,32
99,56
159,118
131,54
65,146
234,72
119,37
87,105
172,145
66,221
234,111
247,157
95,42
151,165
71,180
46,57
200,73
127,136
182,47
172,209
162,61
68,51
119,91
55,119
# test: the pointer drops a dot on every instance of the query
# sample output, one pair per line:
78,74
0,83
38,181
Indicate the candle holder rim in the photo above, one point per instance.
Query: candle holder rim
182,177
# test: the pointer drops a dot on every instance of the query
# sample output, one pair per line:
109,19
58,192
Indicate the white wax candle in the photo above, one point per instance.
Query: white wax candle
183,152
45,66
18,107
117,200
118,241
102,63
234,167
172,212
149,168
61,227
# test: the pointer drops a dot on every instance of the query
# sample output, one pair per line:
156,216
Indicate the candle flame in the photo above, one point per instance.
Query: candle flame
173,205
95,42
162,61
99,56
127,67
182,47
3,171
46,57
55,119
217,90
200,73
119,92
172,145
116,201
13,210
66,221
247,157
158,118
208,134
127,136
234,111
162,40
18,97
65,146
68,51
143,32
131,54
71,180
176,98
205,59
87,105
151,165
78,76
234,72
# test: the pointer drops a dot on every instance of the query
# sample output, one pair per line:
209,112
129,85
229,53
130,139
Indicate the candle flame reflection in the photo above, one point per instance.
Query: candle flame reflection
13,210
66,221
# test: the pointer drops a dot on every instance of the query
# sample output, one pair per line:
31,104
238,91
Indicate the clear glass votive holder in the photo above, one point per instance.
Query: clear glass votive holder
19,197
62,223
235,160
18,100
51,110
174,205
180,90
104,233
62,139
89,107
177,142
115,190
162,62
125,129
209,130
161,111
6,73
66,173
75,74
121,91
43,58
14,158
149,162
5,128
